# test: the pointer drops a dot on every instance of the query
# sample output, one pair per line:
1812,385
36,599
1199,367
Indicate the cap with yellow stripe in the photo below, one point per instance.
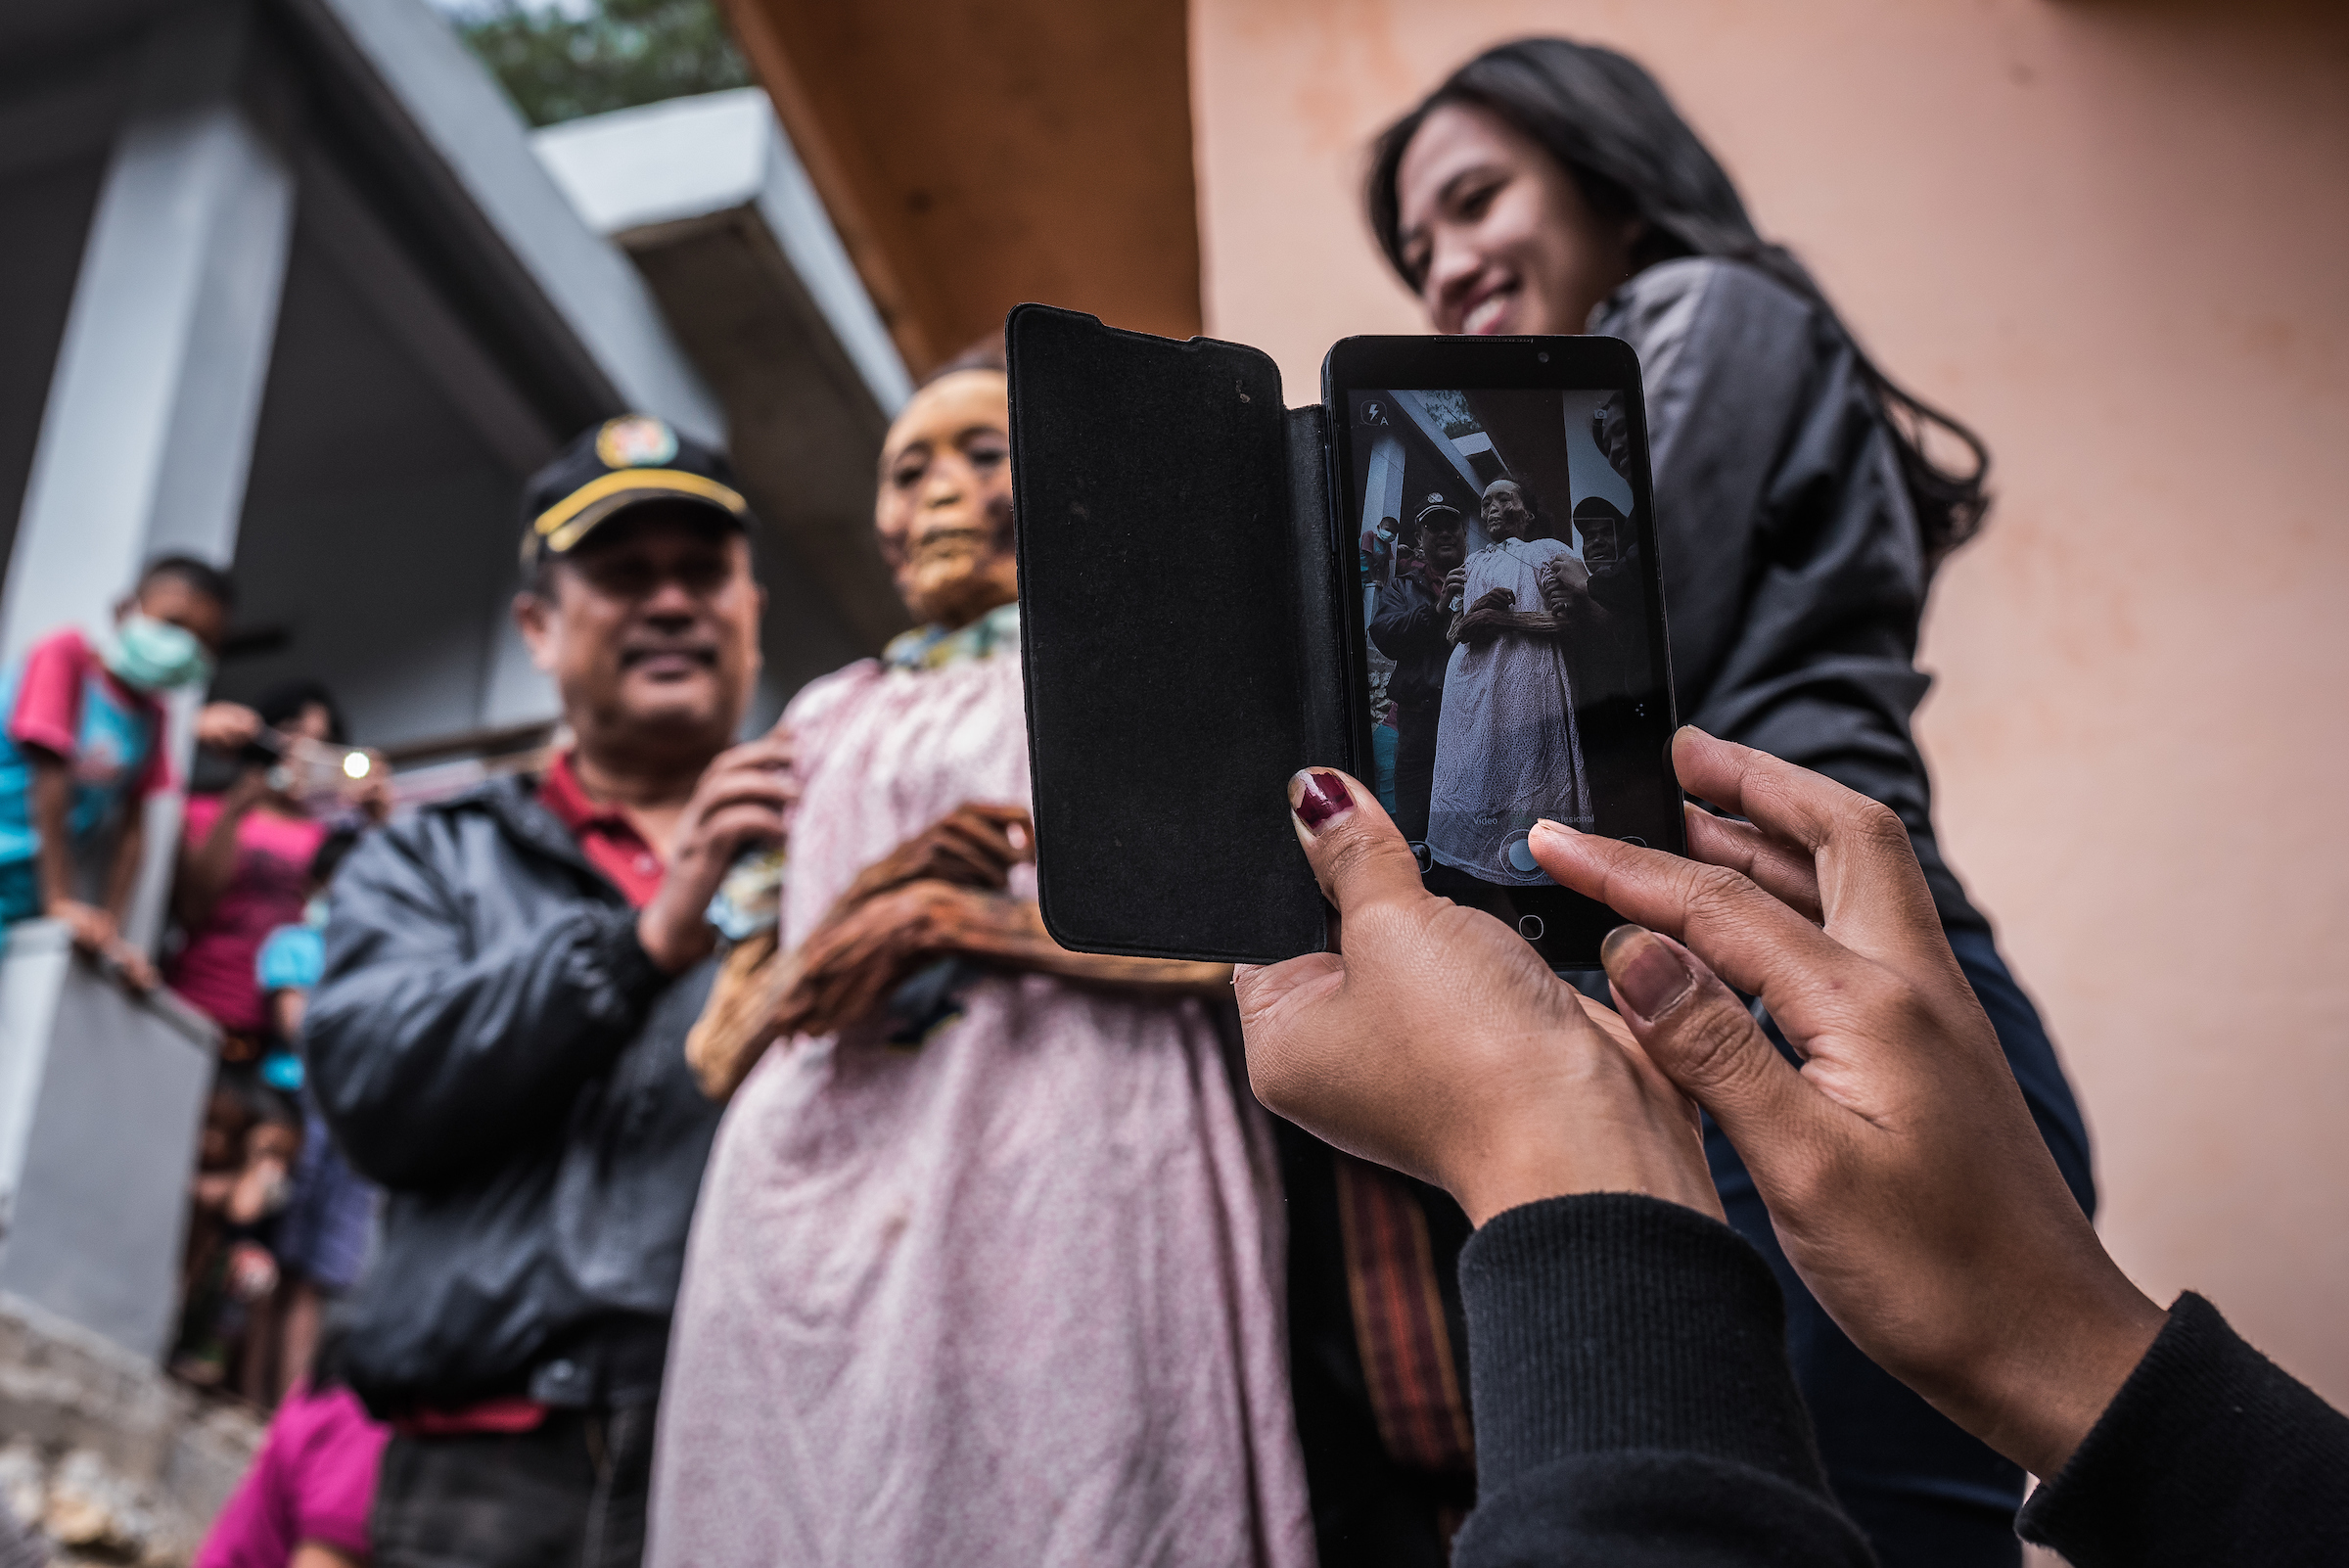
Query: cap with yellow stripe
622,463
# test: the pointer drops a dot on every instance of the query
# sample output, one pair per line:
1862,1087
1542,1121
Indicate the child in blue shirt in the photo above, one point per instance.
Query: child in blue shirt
83,744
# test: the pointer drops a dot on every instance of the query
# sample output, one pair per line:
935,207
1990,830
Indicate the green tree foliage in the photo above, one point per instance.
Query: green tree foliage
564,62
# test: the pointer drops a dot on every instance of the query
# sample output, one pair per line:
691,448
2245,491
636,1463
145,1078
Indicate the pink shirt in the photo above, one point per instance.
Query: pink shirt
214,971
48,710
312,1480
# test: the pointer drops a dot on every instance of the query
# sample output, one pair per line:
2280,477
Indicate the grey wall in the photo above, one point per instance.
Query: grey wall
379,526
45,213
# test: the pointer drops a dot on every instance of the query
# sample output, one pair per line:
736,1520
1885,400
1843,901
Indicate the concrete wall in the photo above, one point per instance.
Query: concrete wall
2112,236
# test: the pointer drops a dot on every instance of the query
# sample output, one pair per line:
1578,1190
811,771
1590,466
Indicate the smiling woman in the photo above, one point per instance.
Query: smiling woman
1551,187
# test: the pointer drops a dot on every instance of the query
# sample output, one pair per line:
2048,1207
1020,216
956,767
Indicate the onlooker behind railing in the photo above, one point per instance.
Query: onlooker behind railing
245,857
83,747
245,861
322,1239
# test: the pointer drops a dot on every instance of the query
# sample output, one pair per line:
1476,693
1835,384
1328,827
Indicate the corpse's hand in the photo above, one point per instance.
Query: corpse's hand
1494,599
865,950
973,846
899,912
1437,1041
1902,1169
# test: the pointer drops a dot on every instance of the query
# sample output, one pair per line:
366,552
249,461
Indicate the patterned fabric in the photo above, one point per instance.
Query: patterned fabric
1013,1300
935,647
1398,1322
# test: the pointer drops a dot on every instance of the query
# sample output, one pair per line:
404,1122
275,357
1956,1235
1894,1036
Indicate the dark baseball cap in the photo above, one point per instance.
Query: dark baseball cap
1435,506
622,463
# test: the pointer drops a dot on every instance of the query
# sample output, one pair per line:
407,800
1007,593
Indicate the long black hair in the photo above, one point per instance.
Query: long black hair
1604,118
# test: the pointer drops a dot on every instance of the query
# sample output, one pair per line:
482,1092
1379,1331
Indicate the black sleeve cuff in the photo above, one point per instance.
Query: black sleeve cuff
2209,1453
629,972
1615,1322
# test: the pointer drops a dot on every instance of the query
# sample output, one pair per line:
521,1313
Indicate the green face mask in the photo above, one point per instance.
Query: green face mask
151,655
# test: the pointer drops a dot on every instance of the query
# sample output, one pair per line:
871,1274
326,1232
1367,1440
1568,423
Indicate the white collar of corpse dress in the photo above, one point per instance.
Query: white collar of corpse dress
935,647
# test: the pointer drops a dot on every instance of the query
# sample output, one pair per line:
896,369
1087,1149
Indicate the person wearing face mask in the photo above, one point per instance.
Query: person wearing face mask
985,1271
1551,187
84,747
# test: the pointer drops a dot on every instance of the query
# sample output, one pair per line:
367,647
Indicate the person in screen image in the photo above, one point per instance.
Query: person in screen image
1508,751
1412,627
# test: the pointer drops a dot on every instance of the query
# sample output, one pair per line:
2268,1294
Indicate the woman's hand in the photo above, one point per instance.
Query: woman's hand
1437,1041
1902,1169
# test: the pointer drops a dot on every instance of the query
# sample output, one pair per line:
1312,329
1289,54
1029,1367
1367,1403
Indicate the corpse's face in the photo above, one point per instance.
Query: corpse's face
1506,513
944,509
1496,235
1444,541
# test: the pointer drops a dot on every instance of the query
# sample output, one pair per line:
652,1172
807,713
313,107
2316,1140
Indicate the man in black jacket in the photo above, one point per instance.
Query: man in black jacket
500,1036
1412,627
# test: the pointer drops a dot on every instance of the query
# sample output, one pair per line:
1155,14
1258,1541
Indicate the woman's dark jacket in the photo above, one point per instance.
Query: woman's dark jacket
1794,571
491,1044
1633,1408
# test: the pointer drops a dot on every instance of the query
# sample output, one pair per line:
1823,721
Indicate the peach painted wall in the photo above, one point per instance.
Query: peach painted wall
2115,237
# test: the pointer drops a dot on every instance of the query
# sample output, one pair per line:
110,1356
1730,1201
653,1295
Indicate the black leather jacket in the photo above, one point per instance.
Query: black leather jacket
1794,571
1410,628
491,1044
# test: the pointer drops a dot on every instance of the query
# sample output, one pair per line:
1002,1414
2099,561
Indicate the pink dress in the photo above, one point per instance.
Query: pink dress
1010,1297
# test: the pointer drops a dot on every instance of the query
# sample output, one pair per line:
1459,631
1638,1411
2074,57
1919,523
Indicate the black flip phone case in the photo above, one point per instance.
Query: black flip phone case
1183,639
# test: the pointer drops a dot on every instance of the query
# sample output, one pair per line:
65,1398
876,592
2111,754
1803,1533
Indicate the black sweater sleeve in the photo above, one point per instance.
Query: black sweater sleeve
2210,1454
1632,1401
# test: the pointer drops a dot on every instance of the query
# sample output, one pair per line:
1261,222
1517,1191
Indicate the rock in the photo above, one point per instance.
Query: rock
93,1509
23,1481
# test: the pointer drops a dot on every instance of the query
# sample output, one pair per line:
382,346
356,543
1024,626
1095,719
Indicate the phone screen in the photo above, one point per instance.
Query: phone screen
1513,648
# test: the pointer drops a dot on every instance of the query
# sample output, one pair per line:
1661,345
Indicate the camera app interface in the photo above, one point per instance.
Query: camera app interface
1512,676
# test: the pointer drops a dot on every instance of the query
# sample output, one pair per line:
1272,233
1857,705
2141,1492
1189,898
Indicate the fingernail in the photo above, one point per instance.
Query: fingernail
1317,795
1650,976
1554,827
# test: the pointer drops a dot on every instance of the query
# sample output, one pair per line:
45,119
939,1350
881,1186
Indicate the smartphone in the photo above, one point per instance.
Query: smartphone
1441,578
1509,643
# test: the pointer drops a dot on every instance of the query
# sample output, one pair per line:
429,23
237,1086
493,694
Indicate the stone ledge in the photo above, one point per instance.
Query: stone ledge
112,1460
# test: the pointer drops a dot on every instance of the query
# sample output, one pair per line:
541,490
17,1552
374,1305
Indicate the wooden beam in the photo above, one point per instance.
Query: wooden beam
974,155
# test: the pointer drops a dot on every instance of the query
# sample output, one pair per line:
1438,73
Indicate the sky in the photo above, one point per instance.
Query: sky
460,10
